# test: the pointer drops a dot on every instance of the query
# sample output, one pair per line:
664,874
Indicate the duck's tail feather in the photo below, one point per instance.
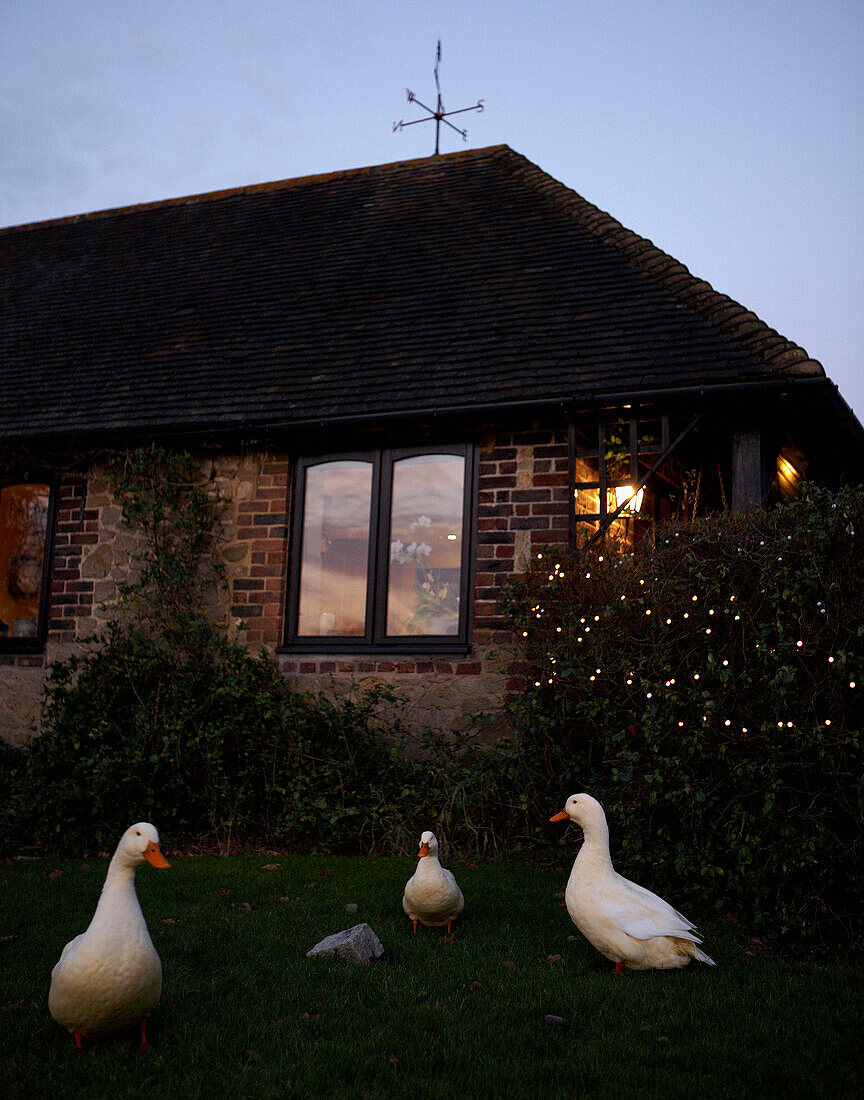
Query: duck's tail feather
701,957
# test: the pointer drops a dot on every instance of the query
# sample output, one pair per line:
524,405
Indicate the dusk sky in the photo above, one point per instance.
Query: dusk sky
729,134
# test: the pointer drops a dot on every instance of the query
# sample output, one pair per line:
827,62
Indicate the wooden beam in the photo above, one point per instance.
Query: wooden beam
748,476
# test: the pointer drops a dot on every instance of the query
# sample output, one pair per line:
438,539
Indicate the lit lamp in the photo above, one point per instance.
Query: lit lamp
624,495
788,477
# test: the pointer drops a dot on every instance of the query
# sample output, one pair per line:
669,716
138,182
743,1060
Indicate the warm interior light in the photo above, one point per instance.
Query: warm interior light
452,538
788,478
624,495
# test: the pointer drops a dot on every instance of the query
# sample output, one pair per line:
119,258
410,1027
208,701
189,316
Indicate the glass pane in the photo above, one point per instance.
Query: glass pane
425,545
335,555
23,527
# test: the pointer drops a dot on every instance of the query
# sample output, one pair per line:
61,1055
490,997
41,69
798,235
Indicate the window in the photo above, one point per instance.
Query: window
25,528
381,550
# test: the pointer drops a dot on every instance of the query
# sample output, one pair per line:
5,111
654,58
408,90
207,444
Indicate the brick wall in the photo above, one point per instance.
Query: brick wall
522,505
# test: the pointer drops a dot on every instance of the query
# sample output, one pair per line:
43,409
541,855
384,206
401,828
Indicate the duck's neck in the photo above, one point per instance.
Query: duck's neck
595,846
118,897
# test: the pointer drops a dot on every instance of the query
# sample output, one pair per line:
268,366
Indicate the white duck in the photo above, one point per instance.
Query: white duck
625,922
110,977
431,894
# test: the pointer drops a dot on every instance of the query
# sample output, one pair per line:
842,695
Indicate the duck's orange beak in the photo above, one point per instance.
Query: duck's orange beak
563,816
154,857
424,850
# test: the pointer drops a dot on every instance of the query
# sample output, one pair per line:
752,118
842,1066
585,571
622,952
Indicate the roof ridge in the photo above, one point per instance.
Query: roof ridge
488,152
698,295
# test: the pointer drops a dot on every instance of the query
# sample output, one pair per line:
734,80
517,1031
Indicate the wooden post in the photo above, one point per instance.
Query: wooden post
748,477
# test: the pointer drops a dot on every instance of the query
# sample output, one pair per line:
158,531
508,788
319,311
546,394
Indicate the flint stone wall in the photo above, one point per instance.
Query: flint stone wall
522,503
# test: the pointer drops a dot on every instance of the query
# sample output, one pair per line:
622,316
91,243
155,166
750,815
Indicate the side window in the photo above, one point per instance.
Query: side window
26,511
381,550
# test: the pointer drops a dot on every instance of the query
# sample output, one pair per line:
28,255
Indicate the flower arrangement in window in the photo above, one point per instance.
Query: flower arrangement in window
437,598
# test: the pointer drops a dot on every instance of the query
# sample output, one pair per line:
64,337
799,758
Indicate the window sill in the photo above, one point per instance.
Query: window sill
403,649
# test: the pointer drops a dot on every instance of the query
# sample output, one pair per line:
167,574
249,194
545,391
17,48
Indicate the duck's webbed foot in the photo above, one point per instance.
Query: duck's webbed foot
143,1025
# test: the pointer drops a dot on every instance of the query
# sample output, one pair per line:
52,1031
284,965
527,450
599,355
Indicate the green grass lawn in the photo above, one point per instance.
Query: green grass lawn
245,1014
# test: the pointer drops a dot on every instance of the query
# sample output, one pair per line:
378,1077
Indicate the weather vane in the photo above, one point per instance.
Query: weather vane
440,115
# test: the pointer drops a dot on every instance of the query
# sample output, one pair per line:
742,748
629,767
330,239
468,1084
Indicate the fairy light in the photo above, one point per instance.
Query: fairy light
799,644
725,663
851,683
668,622
695,675
686,614
707,629
727,722
789,725
830,660
827,721
694,598
629,682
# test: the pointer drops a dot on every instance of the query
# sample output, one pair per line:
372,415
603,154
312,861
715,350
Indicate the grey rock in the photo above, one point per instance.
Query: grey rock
357,944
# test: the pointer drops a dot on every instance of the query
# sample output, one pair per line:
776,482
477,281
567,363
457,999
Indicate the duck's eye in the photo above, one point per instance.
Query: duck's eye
137,832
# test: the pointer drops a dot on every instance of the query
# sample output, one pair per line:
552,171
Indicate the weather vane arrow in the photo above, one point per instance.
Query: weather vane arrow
440,115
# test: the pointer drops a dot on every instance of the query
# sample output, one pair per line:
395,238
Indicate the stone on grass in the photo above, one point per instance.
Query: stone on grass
357,944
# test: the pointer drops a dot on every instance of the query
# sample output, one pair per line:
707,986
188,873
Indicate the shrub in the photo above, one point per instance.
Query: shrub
711,692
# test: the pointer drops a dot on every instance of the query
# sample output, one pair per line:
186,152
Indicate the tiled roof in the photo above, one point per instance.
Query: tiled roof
471,279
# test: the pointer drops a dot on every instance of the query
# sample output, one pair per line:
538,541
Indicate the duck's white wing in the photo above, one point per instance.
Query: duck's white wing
642,914
66,953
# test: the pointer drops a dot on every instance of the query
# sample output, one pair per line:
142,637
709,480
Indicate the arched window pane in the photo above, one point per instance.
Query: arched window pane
23,531
424,580
335,549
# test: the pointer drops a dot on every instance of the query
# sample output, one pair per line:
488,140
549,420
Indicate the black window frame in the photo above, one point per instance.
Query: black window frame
13,646
375,640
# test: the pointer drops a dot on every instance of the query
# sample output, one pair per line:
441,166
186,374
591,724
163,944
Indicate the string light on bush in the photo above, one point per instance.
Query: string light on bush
830,660
695,675
827,721
851,683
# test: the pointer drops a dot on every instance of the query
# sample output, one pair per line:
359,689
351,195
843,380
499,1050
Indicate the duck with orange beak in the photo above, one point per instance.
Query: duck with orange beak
431,895
627,923
109,978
